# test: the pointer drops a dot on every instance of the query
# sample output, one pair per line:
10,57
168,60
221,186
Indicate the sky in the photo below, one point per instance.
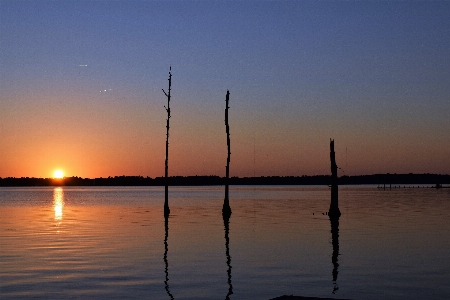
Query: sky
81,87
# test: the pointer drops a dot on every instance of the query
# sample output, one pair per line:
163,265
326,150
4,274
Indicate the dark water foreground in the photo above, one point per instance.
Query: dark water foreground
114,243
301,298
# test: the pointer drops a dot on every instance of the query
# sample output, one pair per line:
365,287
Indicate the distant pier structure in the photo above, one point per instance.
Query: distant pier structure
334,204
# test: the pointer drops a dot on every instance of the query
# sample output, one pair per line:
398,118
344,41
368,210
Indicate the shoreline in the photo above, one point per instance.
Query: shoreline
382,181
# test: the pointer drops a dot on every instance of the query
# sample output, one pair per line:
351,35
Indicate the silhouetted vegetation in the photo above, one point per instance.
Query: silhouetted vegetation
376,179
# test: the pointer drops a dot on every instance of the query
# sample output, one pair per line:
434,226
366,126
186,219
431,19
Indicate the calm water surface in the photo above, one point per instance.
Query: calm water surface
104,242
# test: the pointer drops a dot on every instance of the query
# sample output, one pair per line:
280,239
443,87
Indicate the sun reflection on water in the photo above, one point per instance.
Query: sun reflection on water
58,202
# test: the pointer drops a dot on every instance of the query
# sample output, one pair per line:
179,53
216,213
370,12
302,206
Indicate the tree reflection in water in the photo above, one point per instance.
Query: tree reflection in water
166,249
335,242
226,222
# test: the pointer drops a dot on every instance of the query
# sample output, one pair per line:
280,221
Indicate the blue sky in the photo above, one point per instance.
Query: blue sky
373,75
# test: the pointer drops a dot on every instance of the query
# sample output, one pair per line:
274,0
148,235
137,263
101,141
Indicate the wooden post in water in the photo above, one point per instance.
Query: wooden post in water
166,200
334,204
226,210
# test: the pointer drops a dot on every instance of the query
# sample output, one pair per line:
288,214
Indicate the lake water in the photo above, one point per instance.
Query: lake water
113,242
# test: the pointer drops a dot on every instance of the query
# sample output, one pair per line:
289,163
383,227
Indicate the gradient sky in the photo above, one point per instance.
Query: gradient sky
81,82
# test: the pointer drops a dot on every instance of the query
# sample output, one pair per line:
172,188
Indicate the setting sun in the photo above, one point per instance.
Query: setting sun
58,174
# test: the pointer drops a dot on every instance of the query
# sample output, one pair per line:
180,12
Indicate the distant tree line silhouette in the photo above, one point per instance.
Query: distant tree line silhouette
376,179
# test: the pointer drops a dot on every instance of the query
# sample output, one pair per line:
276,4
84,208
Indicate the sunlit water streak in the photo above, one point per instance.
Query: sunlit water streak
105,243
58,202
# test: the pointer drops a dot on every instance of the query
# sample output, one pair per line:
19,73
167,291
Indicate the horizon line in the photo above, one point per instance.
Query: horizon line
187,176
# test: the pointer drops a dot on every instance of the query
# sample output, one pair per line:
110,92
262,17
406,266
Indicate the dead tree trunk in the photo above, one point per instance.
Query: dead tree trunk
334,204
166,200
226,210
